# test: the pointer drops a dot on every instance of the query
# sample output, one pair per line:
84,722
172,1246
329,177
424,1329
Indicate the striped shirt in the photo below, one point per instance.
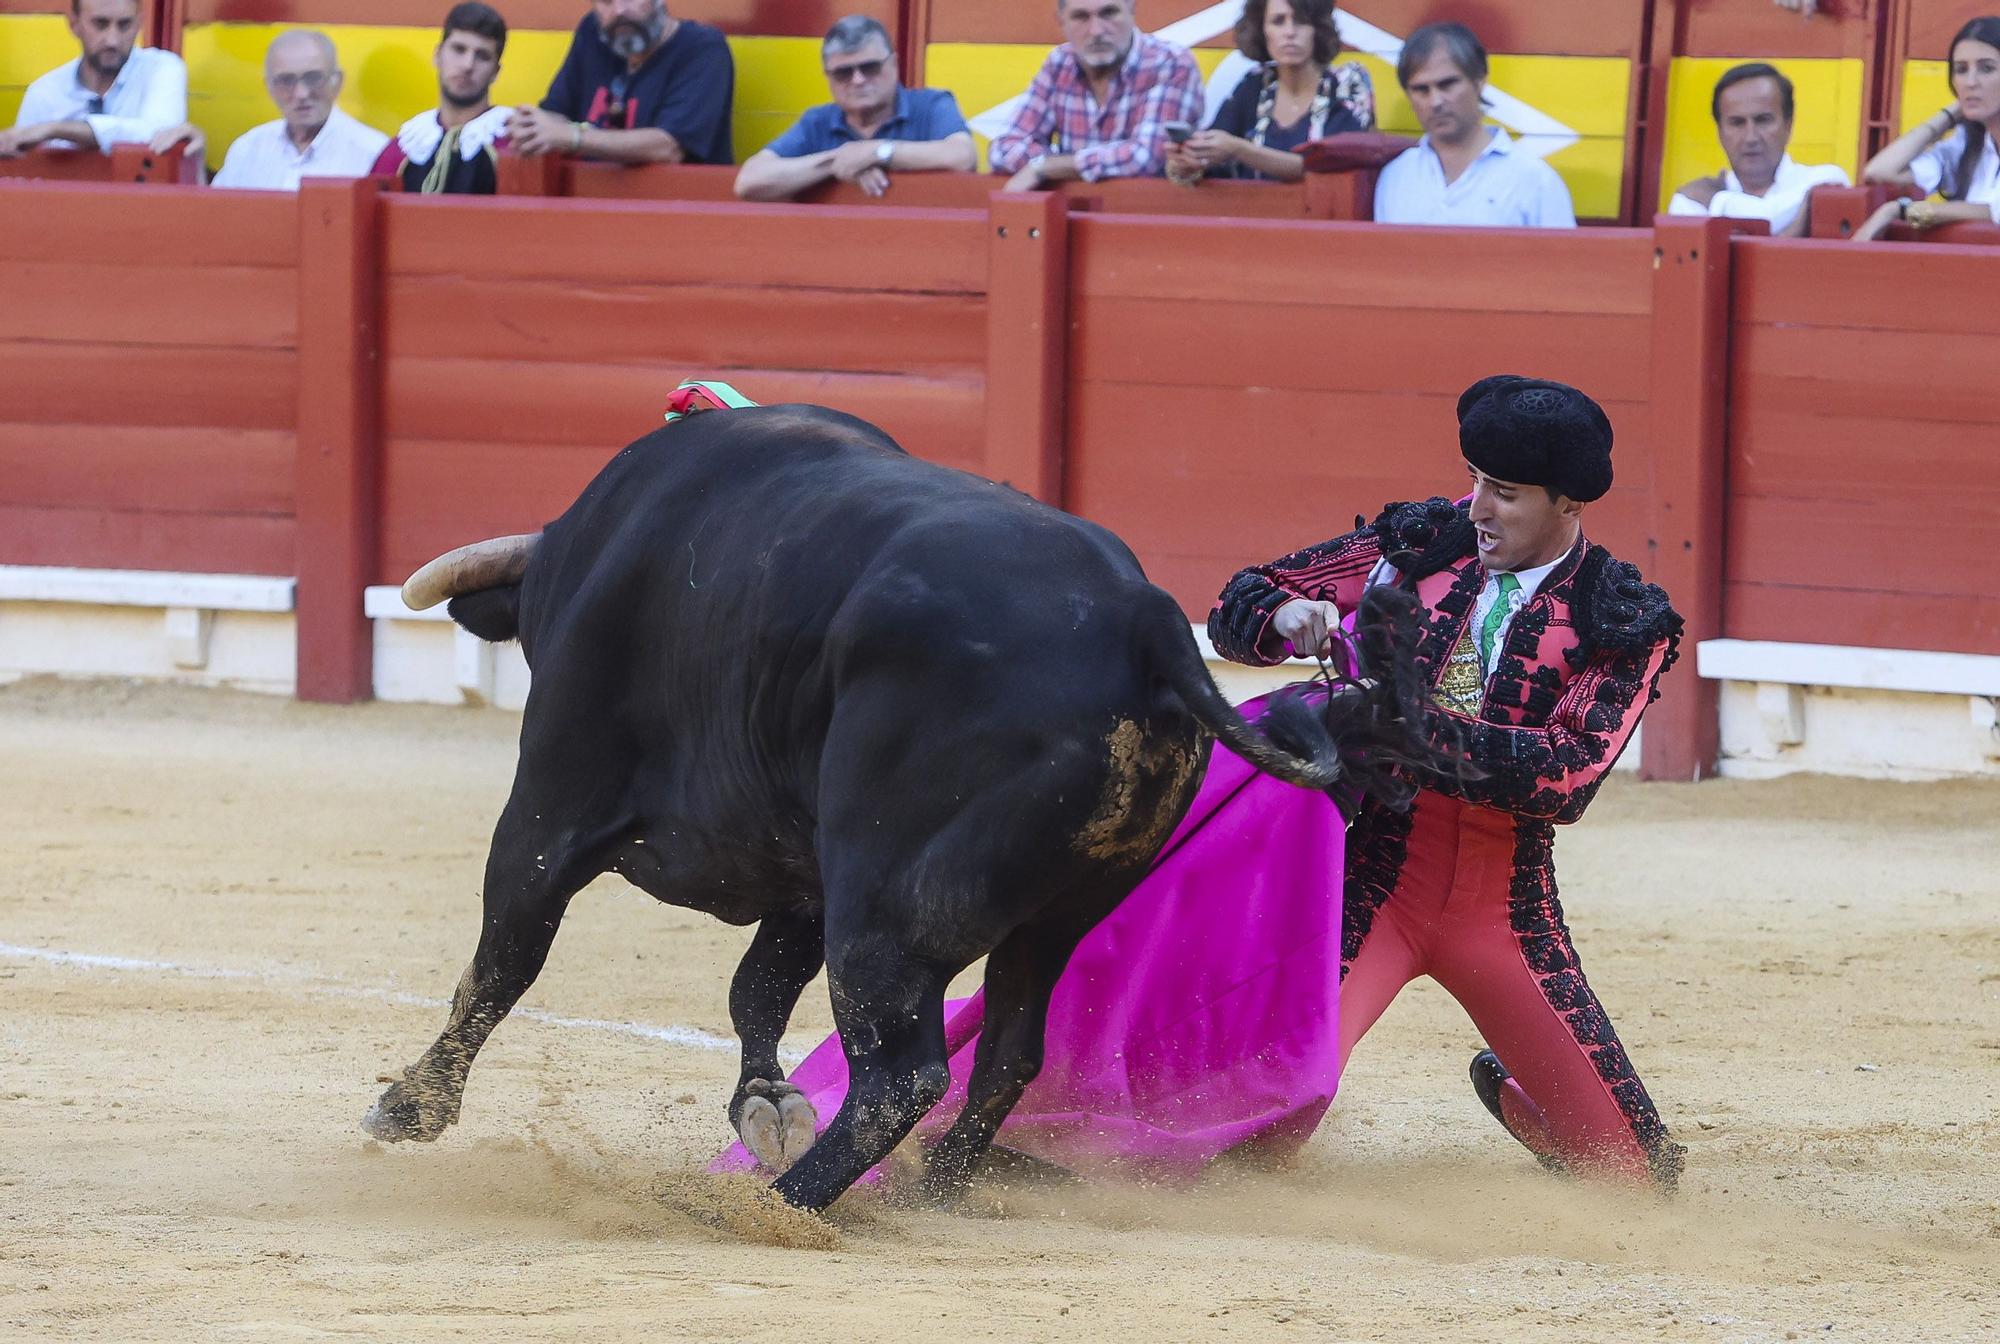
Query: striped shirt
1122,137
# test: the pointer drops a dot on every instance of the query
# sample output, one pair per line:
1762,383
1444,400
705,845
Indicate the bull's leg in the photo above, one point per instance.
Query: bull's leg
889,1006
529,882
773,1118
1021,974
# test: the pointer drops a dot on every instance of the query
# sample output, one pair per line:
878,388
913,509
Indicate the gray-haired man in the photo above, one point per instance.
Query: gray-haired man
313,137
872,128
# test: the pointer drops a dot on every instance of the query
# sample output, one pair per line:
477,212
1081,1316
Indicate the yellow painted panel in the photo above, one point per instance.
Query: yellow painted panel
1826,116
1587,94
31,45
390,77
1926,88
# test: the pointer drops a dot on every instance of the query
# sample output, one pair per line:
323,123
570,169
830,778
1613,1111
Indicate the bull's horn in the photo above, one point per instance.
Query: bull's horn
483,564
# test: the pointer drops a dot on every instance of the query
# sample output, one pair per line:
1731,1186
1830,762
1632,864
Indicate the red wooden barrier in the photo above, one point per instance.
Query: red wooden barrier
1863,506
1348,195
1238,389
1214,390
150,390
1690,397
125,163
524,340
339,345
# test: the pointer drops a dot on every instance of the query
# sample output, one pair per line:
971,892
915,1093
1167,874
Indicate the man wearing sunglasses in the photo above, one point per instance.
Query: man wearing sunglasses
111,94
872,128
313,137
638,86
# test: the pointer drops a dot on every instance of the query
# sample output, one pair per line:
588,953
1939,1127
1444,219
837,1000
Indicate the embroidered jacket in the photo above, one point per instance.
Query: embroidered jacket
1578,666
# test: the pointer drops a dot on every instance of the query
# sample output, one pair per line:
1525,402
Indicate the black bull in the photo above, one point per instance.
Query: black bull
897,716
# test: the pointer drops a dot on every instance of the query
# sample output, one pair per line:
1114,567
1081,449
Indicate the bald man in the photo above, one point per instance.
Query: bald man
313,138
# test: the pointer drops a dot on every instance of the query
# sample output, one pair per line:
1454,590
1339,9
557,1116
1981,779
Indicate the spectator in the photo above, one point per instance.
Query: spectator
1297,94
1952,153
873,126
455,148
109,95
1462,171
1752,107
1099,105
637,87
313,137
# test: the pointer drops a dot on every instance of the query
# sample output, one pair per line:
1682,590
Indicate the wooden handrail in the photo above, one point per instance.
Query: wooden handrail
125,163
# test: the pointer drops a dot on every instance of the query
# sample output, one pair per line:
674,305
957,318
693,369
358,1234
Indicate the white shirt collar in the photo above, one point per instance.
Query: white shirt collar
422,133
1786,169
1498,142
1530,579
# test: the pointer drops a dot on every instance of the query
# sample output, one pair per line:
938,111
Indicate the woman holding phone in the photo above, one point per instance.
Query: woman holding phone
1295,94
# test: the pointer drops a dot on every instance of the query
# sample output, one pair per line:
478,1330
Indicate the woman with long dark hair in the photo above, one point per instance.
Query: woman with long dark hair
1954,153
1295,94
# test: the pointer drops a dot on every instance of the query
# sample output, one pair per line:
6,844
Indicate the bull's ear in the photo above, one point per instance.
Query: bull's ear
494,614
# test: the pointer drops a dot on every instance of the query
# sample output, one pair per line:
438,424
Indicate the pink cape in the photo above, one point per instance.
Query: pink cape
1202,1014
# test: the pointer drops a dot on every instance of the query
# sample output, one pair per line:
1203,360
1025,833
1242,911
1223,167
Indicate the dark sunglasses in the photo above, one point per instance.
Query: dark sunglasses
95,107
841,74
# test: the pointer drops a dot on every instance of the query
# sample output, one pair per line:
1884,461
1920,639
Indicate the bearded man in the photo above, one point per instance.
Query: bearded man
115,92
638,86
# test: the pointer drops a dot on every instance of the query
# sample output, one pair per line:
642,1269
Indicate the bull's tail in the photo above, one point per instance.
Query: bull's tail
1363,733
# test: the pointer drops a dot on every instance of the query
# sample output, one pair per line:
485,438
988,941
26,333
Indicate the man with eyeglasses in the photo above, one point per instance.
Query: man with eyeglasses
872,128
638,86
111,94
313,138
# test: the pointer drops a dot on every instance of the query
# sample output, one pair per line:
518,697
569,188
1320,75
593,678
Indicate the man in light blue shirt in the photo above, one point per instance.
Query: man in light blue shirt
872,128
1463,171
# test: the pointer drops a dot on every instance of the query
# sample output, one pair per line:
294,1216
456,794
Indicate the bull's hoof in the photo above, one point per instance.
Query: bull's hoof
776,1123
408,1111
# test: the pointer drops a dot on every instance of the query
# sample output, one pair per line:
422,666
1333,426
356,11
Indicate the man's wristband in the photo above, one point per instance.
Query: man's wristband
575,136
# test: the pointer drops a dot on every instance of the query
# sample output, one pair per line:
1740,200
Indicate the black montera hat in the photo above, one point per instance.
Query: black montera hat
1536,432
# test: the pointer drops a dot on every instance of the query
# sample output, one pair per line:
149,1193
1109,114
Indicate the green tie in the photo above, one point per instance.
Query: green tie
1490,627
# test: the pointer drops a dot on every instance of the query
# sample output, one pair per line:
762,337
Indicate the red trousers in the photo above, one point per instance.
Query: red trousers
1467,896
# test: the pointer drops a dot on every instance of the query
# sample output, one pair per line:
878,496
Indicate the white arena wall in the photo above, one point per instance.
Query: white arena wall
1784,708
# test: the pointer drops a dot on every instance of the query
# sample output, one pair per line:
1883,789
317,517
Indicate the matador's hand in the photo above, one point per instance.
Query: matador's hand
1307,625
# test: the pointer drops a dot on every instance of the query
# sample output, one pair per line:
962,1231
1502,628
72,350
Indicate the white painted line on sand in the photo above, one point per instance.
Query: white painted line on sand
324,987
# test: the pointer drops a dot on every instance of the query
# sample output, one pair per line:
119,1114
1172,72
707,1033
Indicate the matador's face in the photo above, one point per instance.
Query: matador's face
1520,526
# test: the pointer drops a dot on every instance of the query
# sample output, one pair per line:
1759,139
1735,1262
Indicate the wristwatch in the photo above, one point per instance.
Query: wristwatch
885,150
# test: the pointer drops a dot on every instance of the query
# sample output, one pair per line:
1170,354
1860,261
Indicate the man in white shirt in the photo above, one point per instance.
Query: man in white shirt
110,95
1752,107
1463,171
314,138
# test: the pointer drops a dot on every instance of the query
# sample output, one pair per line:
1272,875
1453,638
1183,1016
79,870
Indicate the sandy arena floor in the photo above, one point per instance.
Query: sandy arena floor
224,916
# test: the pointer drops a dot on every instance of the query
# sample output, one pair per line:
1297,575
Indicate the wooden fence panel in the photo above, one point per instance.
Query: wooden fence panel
1241,389
507,385
1863,504
148,352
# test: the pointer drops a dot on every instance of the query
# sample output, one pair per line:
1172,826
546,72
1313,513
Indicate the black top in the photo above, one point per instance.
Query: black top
1350,107
685,88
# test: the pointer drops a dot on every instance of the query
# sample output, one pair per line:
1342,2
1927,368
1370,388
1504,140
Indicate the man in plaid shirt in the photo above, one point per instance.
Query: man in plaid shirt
1098,104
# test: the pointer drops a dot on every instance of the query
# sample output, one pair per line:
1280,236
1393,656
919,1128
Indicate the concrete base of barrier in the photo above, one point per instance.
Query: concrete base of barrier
206,629
1784,708
1878,713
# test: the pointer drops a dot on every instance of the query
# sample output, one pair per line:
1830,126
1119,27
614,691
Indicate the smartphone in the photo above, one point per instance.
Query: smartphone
1178,131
